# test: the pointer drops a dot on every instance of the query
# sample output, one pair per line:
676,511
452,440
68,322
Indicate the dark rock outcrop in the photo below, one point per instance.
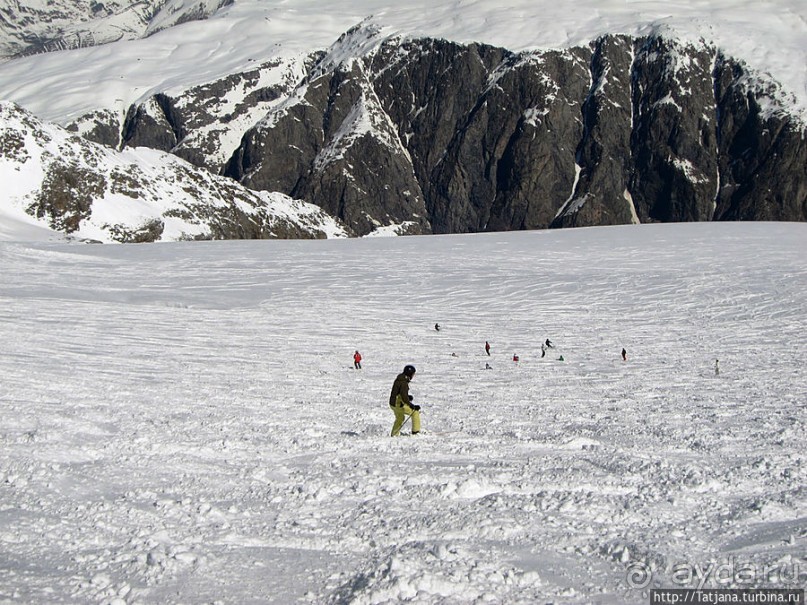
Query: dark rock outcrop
603,155
433,136
335,146
153,124
762,152
674,130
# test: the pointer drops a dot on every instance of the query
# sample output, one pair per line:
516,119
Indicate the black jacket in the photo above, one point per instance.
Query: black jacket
400,387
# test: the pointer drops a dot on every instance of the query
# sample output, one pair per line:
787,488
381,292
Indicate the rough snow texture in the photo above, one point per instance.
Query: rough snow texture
182,423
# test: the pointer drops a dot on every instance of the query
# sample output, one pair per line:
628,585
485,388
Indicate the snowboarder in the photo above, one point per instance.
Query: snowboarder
624,355
487,347
357,360
549,344
437,327
401,402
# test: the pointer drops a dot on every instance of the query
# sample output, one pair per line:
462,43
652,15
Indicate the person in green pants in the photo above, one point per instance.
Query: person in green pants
401,402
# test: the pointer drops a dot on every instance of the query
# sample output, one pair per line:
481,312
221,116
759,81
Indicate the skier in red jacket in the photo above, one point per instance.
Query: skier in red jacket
357,360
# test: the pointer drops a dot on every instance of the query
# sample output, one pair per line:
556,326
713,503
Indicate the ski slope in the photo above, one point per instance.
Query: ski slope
182,423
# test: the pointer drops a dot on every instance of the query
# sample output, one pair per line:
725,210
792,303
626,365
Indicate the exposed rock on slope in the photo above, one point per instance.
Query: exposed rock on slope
454,138
87,190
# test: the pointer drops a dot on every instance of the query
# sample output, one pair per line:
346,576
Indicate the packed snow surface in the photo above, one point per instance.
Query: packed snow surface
182,422
770,35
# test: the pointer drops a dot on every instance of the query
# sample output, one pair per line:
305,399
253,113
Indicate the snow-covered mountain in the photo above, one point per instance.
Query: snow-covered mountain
91,192
36,26
462,117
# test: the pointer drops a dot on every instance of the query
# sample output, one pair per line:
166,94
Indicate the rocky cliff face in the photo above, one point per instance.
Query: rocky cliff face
762,152
436,137
334,145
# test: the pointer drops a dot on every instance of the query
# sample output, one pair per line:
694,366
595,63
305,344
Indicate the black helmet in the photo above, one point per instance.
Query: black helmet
409,371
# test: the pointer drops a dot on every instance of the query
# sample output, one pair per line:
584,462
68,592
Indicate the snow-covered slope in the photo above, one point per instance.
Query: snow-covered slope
36,26
771,36
182,423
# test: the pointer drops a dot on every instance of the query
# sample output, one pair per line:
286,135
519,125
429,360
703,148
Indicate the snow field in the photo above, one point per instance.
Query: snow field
182,423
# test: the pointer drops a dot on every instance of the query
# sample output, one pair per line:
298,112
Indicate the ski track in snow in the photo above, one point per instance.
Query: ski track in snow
181,422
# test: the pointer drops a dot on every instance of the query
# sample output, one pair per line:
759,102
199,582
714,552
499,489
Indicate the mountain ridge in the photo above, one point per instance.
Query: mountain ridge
424,135
29,27
89,192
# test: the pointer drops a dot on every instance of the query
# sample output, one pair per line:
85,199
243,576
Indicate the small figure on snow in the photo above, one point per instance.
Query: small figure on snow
515,357
357,360
401,402
487,366
543,351
487,347
561,358
624,355
437,327
549,344
717,367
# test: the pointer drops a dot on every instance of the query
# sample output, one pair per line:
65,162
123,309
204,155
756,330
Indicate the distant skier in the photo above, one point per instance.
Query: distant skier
717,367
437,327
487,366
515,357
624,355
543,351
487,347
357,360
549,344
401,402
